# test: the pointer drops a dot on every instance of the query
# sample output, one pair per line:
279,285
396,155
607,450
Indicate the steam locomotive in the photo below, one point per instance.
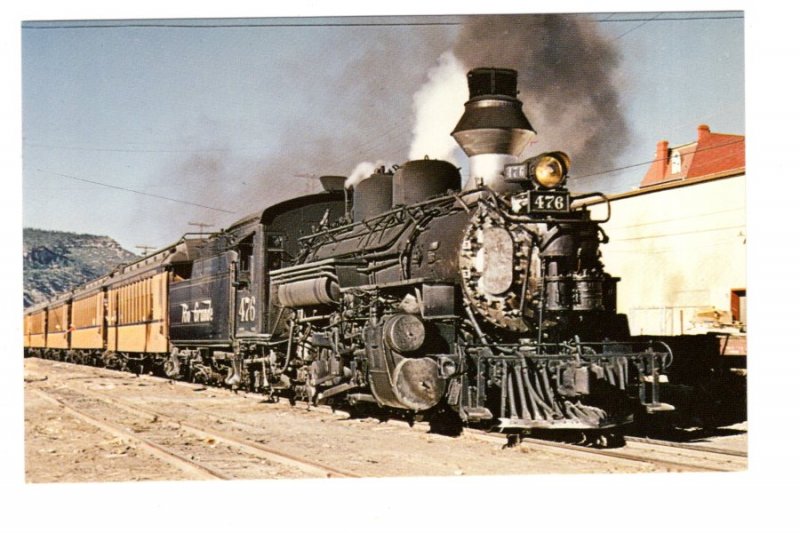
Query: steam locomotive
486,304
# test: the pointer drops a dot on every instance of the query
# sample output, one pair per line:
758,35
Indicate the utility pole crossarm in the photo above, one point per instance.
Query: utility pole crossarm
201,225
145,248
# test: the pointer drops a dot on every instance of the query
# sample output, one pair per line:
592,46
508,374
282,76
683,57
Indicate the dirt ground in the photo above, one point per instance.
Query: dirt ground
62,447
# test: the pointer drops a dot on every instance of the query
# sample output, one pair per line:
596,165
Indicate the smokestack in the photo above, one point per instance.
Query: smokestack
662,158
493,130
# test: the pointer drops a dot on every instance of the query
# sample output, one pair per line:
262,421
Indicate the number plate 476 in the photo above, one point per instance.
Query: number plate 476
548,202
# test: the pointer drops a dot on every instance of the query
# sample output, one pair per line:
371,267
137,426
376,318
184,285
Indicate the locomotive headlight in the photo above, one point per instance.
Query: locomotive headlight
549,170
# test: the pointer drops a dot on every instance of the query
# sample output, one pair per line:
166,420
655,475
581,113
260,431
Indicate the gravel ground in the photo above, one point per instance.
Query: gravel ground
62,448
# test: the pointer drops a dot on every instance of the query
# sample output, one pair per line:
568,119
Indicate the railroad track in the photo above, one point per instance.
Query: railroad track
661,454
200,452
664,455
696,457
686,446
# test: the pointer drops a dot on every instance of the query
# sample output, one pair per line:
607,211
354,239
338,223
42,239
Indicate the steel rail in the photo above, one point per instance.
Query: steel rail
605,452
494,438
497,438
250,447
685,446
185,464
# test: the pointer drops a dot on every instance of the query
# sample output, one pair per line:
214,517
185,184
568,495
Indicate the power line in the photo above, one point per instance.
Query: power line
186,25
680,218
739,239
386,134
623,34
76,178
136,150
673,19
674,234
133,191
60,25
651,161
375,142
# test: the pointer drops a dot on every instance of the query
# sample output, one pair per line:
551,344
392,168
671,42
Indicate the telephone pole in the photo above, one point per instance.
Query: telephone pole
145,249
202,226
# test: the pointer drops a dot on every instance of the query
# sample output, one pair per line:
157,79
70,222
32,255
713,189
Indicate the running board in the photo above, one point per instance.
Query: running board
526,423
659,408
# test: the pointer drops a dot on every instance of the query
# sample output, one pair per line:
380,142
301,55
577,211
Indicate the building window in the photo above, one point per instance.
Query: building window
675,162
739,305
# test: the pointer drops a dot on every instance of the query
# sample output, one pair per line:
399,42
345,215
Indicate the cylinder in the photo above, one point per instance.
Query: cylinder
421,179
309,292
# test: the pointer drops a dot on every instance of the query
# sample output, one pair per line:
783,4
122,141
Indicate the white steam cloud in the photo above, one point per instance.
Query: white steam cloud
438,105
361,171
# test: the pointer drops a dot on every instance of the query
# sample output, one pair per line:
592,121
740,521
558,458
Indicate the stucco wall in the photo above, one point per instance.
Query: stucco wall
677,250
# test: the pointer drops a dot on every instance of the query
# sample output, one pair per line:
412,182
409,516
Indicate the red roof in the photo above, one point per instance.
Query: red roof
712,153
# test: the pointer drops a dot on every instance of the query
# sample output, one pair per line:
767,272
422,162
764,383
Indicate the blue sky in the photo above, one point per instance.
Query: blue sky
229,115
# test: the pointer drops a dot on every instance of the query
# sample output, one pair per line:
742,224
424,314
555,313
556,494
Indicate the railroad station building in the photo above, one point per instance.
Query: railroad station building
678,241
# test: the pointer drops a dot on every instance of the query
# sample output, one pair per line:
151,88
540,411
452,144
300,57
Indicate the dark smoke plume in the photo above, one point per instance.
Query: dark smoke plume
565,80
361,109
356,109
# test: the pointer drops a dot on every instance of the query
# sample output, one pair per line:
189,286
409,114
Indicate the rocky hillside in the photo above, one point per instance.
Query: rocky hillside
55,261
